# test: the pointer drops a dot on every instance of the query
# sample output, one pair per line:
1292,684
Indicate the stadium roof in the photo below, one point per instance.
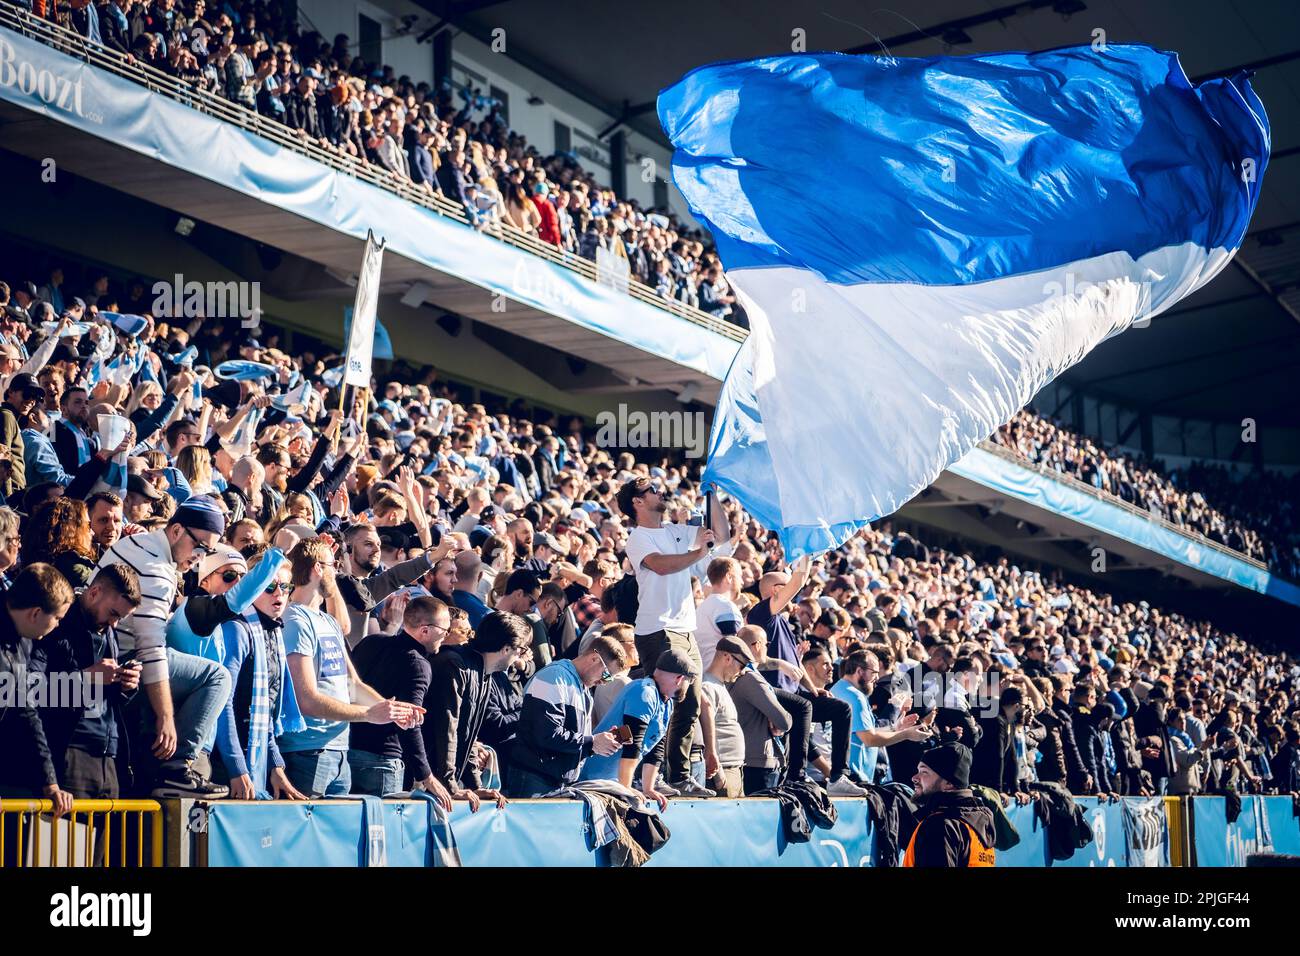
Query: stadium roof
1230,351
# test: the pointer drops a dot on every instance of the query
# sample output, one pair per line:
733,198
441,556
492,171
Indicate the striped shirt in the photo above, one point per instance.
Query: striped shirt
144,631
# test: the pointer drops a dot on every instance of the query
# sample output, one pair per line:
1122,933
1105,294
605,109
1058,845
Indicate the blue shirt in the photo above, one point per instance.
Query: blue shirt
473,607
862,759
640,699
316,635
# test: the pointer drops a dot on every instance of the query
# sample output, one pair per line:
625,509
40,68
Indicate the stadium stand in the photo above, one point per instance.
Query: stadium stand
225,538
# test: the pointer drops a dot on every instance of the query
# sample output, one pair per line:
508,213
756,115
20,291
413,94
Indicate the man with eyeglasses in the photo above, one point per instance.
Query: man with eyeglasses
554,737
663,556
386,759
183,694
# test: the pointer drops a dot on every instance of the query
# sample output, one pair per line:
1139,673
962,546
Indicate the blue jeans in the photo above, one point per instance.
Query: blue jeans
375,775
319,773
199,689
697,773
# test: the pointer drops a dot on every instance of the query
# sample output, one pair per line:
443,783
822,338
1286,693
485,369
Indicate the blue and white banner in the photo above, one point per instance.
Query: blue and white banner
361,336
923,244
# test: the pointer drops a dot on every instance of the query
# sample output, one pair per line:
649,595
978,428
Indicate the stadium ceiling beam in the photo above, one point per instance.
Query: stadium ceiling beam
1255,277
1252,66
1201,356
953,32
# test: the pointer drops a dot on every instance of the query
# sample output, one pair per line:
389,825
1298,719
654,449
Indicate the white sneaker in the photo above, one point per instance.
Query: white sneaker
844,787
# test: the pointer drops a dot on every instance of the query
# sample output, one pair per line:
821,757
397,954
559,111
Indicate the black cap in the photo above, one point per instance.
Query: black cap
673,661
24,382
63,352
140,486
950,761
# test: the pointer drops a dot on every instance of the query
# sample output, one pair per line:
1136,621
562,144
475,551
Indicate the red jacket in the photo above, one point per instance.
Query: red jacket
549,230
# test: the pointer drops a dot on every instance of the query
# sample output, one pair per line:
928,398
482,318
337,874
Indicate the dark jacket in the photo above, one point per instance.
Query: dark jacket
456,705
300,112
25,761
1092,748
1051,766
11,437
994,763
115,37
504,707
1074,766
395,666
553,733
941,835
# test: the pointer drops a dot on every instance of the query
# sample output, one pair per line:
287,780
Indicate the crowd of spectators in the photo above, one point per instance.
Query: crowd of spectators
265,591
446,141
1254,513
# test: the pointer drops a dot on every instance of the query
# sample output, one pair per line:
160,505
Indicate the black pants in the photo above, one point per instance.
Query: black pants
88,777
760,778
803,709
677,747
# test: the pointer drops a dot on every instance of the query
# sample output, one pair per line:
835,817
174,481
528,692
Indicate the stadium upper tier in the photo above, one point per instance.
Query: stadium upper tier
281,195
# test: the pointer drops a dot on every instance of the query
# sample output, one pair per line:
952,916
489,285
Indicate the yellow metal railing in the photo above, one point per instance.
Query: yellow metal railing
23,824
1180,847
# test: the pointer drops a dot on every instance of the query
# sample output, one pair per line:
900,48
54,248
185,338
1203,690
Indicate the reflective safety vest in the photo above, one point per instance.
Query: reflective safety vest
980,855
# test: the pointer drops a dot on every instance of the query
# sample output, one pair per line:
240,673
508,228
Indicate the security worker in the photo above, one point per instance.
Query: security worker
953,828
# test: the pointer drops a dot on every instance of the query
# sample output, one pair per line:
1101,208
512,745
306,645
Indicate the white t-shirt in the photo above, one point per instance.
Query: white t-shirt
666,601
715,617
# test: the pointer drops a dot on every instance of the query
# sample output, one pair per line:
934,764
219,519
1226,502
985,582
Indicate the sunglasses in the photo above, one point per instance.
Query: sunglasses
231,576
278,586
199,545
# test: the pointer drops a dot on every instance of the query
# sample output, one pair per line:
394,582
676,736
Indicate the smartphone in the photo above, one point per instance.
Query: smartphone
622,734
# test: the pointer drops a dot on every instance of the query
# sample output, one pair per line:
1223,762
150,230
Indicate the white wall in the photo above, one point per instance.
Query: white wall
469,56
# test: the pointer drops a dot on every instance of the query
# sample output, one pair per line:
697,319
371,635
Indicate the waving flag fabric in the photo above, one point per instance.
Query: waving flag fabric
242,370
923,244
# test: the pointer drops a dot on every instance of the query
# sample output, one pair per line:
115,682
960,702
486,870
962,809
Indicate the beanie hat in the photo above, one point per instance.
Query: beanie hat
200,513
950,761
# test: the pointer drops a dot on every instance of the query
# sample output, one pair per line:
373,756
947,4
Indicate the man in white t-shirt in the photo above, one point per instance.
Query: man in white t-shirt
662,556
718,615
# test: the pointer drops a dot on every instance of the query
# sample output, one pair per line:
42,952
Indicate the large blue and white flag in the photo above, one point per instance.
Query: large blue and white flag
923,244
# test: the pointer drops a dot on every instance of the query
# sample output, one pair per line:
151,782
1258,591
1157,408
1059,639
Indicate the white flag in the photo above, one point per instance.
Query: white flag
361,342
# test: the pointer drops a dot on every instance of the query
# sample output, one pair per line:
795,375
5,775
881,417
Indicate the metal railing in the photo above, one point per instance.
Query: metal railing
31,837
1002,451
73,44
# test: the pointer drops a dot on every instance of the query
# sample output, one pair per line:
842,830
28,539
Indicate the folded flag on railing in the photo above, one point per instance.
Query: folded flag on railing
242,370
923,244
